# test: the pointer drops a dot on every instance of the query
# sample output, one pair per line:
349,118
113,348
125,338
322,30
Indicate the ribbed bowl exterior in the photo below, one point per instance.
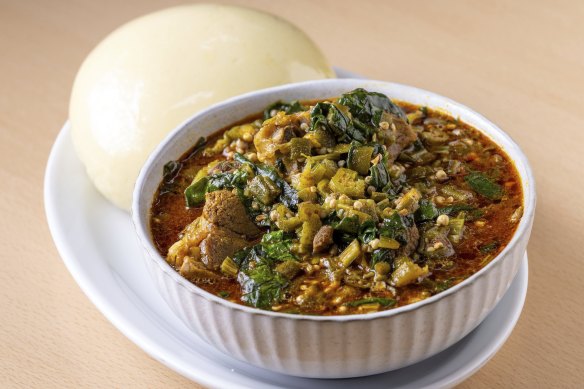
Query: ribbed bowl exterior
338,346
334,348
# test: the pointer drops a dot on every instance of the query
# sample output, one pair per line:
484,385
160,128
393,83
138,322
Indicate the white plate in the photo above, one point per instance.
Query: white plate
99,247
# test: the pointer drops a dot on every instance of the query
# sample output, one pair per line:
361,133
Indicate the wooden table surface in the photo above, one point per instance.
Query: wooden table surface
519,63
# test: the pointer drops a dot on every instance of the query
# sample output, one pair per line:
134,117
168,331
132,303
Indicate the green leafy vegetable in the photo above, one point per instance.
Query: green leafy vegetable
379,175
367,231
331,118
484,186
382,255
426,211
276,246
223,294
385,302
396,227
368,107
288,108
261,286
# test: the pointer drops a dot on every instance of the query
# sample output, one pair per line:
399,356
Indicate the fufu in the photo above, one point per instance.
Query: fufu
154,72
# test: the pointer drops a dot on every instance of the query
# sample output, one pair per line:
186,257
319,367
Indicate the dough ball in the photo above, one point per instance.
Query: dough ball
154,72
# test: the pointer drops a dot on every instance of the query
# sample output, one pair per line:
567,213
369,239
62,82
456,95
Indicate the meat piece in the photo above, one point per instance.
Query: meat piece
413,238
323,239
224,209
398,135
218,244
220,232
195,271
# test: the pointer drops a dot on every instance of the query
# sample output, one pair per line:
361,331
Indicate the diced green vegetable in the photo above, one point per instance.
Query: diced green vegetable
489,247
384,302
409,201
229,267
457,193
263,189
309,229
223,294
288,195
195,193
484,186
346,181
299,148
408,272
456,227
359,158
388,243
350,253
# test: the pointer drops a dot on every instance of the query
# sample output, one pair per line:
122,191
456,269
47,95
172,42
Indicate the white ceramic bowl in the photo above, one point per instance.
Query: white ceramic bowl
329,346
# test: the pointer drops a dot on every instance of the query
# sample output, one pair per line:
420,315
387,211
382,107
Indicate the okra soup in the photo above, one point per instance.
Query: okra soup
349,205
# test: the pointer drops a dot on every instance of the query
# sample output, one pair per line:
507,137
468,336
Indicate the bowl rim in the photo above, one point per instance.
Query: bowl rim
144,236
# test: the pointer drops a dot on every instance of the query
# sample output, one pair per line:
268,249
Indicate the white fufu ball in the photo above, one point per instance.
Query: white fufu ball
154,72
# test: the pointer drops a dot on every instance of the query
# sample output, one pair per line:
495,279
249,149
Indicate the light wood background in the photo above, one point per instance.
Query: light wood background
519,63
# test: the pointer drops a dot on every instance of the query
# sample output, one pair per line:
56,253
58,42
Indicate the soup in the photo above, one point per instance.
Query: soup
349,205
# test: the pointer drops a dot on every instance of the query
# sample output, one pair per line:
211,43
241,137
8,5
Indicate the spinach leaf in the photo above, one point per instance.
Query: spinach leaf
454,209
276,246
379,174
288,108
396,227
367,231
426,211
385,302
332,119
484,186
261,286
382,255
288,196
237,179
169,174
368,107
348,224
